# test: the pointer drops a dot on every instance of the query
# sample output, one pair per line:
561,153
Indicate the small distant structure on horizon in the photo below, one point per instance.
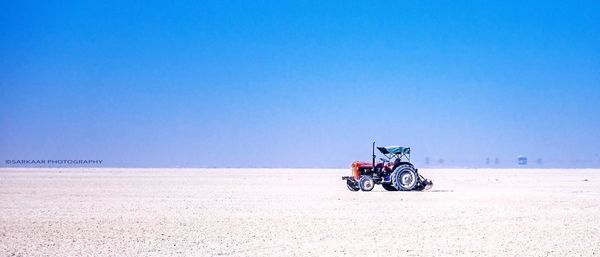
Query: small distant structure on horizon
489,161
521,160
539,161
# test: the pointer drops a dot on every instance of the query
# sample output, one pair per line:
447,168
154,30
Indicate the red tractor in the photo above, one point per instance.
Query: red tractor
394,173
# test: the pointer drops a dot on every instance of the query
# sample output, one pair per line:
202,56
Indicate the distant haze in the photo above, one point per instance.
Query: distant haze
300,84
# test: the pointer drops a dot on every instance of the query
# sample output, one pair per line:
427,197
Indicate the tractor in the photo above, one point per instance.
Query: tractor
394,172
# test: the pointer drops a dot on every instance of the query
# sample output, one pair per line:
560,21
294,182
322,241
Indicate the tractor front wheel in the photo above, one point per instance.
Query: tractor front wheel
366,183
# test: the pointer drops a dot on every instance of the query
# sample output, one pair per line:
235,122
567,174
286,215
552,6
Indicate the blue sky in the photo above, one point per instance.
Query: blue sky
298,83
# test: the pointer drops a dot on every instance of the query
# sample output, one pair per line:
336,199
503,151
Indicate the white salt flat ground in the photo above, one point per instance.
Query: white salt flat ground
295,212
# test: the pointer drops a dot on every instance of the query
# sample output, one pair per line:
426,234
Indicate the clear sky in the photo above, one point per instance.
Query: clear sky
299,83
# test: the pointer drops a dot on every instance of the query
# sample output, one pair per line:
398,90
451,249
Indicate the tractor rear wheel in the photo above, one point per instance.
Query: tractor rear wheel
404,177
366,183
352,185
389,187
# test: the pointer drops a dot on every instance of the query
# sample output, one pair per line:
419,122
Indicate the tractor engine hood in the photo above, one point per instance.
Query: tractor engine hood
362,164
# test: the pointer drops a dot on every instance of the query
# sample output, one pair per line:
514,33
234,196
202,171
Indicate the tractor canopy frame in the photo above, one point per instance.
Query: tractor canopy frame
392,152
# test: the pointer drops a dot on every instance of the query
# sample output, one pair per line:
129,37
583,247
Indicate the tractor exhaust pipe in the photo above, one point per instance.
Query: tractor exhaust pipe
373,155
